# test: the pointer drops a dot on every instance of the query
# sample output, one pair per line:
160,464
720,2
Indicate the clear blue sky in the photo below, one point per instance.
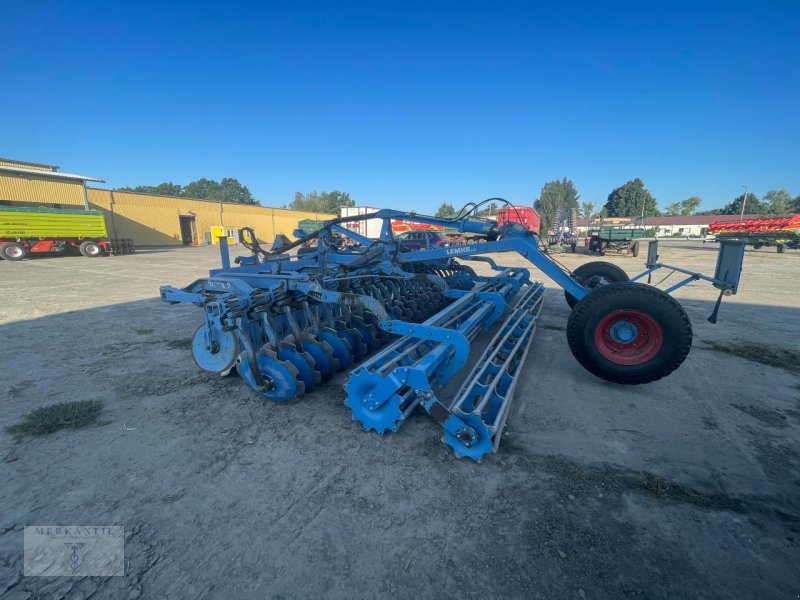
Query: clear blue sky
408,104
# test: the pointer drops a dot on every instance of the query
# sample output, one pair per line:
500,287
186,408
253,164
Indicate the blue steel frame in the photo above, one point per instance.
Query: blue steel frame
514,237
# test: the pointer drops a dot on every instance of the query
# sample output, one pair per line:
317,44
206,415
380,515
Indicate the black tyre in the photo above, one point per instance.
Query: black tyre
13,251
91,249
780,248
606,271
629,333
635,248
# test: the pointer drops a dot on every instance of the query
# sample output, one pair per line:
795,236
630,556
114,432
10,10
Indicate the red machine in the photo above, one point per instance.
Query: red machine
525,215
399,226
781,232
779,225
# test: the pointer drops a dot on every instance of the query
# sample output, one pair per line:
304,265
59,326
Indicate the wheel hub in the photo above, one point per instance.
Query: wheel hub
628,337
623,332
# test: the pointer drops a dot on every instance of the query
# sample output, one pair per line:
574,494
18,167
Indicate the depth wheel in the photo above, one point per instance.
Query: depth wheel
629,333
607,271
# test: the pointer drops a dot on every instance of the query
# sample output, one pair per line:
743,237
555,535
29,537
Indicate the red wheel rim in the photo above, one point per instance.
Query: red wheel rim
628,337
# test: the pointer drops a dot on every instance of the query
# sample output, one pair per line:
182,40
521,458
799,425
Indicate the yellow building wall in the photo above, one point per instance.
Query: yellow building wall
152,220
30,190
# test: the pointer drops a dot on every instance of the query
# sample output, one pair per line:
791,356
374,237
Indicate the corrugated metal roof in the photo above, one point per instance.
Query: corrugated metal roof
25,163
48,174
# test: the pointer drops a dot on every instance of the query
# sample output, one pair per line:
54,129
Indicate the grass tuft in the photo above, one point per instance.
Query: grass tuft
653,483
64,415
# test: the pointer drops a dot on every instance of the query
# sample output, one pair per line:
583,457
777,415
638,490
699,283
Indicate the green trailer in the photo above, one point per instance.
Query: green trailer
624,238
310,225
25,231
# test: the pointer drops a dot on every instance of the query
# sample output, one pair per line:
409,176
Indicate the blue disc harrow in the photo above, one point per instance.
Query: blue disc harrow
403,322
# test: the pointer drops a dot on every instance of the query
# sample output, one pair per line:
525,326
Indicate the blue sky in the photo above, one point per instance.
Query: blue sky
408,104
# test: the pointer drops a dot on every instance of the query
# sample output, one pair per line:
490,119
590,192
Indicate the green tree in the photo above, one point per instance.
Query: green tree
490,210
571,195
753,206
631,200
795,205
445,210
779,202
231,190
587,210
555,195
325,202
227,190
684,207
162,189
690,205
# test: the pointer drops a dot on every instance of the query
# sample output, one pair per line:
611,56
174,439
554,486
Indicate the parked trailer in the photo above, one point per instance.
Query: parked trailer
370,228
524,215
781,232
27,231
615,239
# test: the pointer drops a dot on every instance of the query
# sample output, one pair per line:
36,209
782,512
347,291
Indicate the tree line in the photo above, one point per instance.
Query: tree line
631,199
232,190
226,190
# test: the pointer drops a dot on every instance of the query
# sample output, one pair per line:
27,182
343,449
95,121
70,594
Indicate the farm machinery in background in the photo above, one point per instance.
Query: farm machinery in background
623,238
43,231
781,232
402,323
564,233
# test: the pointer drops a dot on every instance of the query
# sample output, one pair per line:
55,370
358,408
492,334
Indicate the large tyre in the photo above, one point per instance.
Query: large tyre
12,251
635,248
629,333
780,248
608,272
91,249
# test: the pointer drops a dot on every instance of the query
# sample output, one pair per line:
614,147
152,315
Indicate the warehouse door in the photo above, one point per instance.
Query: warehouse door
188,230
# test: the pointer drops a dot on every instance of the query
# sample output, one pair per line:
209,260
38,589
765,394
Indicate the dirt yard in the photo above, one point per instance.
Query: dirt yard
687,487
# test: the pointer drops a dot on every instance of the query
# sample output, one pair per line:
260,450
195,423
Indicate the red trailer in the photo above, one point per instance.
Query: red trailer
525,215
781,232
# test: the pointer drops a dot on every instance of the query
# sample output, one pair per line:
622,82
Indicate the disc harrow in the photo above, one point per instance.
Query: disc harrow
403,323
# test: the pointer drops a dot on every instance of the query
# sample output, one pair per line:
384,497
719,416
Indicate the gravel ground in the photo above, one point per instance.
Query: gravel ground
686,487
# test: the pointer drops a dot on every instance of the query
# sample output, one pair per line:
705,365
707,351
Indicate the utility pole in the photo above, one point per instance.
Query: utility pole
744,203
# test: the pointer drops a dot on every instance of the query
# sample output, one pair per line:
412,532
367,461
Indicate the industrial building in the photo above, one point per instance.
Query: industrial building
148,219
